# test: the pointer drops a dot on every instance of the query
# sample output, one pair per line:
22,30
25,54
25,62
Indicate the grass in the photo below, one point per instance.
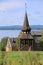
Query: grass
23,57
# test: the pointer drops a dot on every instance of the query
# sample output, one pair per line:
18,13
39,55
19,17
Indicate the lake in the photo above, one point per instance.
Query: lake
9,33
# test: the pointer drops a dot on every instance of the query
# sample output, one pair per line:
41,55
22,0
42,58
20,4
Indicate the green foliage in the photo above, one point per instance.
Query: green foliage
0,46
2,54
23,58
41,38
18,43
3,43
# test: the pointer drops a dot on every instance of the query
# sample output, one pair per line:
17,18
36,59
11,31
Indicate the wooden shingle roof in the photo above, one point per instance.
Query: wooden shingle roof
25,36
26,23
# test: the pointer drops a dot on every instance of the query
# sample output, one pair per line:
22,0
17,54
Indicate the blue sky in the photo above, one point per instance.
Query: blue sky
12,12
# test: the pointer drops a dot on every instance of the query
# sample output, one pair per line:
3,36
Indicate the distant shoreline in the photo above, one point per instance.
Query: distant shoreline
18,27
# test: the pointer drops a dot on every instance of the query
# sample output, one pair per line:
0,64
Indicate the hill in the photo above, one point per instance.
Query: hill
18,27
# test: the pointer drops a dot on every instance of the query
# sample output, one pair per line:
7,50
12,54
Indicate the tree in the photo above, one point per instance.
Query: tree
18,43
41,40
3,43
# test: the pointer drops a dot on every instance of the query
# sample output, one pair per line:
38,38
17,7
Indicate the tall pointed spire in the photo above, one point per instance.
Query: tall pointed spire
26,26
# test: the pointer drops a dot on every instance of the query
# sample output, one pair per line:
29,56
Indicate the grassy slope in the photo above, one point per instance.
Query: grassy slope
22,58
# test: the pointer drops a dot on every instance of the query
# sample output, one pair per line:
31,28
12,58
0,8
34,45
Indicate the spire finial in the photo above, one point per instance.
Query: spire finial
25,5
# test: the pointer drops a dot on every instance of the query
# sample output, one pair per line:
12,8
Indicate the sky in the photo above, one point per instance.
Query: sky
12,12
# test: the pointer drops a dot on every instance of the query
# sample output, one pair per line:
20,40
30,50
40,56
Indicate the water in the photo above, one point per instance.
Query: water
9,33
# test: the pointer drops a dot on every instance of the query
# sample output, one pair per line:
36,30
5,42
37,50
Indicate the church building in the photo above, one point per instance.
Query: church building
26,39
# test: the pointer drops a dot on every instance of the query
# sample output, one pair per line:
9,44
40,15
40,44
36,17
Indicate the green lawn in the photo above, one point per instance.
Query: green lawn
22,58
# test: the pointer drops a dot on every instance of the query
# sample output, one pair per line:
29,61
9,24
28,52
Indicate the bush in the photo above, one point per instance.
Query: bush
3,43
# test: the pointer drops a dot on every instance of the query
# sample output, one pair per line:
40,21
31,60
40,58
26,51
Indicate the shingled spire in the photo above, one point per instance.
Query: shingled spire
26,39
26,26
